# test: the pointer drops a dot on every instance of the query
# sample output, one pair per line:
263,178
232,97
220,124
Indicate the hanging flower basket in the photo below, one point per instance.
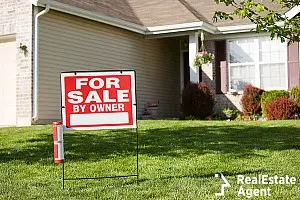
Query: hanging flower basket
203,57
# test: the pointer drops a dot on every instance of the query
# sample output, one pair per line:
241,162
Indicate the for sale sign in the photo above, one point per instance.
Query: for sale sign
98,100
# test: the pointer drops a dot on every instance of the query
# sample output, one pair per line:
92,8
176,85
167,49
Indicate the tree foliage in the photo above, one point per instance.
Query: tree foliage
266,18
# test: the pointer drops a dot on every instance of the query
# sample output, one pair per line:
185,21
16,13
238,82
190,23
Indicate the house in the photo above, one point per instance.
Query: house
158,38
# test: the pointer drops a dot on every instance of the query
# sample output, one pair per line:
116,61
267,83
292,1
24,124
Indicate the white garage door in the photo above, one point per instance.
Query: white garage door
8,70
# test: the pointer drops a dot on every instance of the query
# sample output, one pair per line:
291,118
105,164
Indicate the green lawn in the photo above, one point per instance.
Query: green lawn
178,160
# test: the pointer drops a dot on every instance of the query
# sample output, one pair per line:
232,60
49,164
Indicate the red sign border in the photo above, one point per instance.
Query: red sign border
97,73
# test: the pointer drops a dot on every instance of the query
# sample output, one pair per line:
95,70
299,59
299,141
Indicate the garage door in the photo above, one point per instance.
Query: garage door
7,82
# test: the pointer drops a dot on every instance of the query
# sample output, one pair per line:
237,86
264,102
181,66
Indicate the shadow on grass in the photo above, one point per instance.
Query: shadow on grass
239,141
195,176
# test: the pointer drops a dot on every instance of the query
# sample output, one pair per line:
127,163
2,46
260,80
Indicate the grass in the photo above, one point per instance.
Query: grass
178,160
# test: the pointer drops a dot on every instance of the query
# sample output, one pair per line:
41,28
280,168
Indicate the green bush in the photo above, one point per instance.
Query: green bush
269,96
295,94
197,101
228,113
239,117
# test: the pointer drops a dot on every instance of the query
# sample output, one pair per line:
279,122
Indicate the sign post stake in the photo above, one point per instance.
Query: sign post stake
63,177
137,156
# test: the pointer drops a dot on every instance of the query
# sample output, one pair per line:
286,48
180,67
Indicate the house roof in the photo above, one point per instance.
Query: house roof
160,12
154,13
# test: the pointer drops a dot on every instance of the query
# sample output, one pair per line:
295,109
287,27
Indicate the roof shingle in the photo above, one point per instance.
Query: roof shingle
160,12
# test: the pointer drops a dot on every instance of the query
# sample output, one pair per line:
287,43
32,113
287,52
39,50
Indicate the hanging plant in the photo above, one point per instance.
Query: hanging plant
203,57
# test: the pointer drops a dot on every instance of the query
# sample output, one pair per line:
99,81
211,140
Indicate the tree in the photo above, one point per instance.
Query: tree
266,18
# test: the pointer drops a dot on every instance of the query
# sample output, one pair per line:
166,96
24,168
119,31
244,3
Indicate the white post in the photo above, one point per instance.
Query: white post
193,49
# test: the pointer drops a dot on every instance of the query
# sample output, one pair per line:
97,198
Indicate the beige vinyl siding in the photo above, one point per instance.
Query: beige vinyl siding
69,43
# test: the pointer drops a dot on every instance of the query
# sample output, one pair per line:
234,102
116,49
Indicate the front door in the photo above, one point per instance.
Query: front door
186,68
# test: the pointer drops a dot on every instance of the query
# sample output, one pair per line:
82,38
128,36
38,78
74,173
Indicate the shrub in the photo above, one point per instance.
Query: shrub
251,100
197,101
295,95
270,96
239,117
228,113
281,108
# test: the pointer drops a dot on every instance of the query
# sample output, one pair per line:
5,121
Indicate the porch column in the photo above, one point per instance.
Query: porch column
193,49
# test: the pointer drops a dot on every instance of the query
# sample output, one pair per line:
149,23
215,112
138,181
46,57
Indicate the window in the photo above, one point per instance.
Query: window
257,61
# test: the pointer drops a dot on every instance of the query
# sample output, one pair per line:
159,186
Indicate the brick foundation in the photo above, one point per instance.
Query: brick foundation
227,101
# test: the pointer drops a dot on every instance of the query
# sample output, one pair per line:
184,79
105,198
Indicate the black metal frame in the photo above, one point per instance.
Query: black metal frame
63,179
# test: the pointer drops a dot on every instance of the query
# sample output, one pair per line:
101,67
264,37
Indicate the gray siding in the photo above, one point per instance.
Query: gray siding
69,43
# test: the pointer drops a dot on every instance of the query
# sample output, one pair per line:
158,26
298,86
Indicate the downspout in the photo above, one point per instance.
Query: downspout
35,113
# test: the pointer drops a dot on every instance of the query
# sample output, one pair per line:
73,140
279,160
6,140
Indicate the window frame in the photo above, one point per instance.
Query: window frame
256,63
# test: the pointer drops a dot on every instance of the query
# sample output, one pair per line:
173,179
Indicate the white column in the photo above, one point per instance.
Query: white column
193,49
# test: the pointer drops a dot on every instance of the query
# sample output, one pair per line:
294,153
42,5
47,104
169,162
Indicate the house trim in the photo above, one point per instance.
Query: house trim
7,37
292,12
240,28
237,35
236,29
92,16
154,30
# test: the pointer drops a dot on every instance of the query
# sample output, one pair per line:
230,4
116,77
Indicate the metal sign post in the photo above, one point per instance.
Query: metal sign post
63,178
99,100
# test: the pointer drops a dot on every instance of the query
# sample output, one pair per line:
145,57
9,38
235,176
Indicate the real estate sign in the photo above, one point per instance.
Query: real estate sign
98,100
